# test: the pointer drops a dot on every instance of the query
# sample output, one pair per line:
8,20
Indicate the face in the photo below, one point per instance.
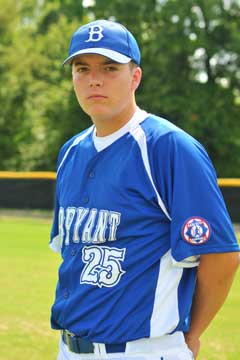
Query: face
104,89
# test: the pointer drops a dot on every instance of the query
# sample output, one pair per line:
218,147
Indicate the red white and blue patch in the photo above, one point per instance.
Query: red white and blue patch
196,230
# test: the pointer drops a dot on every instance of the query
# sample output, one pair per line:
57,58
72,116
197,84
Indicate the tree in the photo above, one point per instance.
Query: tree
12,92
40,112
190,59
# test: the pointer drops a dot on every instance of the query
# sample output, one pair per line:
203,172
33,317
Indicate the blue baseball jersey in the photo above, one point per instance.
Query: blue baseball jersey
134,212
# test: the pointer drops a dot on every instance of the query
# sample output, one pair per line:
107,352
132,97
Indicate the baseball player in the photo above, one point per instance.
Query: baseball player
148,249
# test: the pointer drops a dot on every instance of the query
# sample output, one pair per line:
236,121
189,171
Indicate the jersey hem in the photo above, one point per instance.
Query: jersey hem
210,250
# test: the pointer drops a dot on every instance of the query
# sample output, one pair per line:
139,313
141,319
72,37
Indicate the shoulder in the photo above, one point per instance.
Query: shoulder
157,125
76,139
163,133
171,149
73,141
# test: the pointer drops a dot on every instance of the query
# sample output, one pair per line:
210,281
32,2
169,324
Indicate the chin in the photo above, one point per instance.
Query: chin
98,113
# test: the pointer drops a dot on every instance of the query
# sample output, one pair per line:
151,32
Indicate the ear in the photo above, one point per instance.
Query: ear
137,75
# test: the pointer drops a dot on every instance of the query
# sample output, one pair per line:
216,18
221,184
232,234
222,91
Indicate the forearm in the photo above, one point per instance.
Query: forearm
214,279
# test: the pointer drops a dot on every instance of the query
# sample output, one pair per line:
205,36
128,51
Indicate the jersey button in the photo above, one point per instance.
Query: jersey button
85,199
92,174
65,294
73,252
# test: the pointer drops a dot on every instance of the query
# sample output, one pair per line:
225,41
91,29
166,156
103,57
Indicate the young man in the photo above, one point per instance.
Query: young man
148,248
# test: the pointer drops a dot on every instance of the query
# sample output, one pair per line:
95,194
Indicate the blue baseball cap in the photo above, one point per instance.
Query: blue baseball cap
107,38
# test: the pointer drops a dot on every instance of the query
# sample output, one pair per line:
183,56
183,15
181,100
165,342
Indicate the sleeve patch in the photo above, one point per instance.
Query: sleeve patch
196,231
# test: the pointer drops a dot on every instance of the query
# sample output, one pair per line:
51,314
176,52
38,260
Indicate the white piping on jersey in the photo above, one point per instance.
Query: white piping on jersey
56,244
140,137
165,315
138,117
105,141
75,142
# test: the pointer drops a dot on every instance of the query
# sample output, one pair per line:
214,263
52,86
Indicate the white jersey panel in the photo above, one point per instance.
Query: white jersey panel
56,244
140,137
165,316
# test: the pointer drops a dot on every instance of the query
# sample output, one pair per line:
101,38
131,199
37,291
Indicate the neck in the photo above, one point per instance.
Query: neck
106,126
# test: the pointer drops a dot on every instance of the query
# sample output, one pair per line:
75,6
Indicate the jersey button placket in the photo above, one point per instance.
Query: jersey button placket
90,175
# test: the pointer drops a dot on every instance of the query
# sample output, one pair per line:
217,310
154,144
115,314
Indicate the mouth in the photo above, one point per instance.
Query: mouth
96,97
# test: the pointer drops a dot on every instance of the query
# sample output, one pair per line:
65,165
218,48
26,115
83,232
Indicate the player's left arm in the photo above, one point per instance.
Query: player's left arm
214,279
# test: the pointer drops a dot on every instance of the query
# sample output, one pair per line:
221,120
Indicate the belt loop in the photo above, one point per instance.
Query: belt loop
102,349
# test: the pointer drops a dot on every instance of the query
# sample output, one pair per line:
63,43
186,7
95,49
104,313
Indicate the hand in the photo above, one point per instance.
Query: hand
193,343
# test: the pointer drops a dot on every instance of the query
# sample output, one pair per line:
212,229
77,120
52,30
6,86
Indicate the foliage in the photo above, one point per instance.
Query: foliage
191,74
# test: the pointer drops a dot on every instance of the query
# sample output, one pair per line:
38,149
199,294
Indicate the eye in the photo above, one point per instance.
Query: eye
111,68
82,69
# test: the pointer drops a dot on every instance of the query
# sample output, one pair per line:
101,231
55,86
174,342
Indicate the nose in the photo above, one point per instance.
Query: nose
95,80
95,83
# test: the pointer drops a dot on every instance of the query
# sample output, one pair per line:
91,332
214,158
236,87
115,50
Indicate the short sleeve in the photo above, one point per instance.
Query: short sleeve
200,222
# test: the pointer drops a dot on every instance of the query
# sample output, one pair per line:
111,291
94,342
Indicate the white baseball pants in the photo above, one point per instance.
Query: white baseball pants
168,347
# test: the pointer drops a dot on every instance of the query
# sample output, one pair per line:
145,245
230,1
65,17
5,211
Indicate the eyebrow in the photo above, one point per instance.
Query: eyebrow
109,62
105,62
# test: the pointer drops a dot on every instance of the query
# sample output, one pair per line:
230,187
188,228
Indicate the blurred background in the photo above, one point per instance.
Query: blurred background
191,76
191,73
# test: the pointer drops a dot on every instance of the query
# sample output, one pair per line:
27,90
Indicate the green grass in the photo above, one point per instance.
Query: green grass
28,274
27,283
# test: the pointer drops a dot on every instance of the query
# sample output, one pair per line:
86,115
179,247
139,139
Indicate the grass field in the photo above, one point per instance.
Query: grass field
28,271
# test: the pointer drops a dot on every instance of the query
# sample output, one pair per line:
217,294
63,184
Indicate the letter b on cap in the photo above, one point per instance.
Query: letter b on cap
95,33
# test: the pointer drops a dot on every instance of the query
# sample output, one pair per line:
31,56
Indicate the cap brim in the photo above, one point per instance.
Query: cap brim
114,55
